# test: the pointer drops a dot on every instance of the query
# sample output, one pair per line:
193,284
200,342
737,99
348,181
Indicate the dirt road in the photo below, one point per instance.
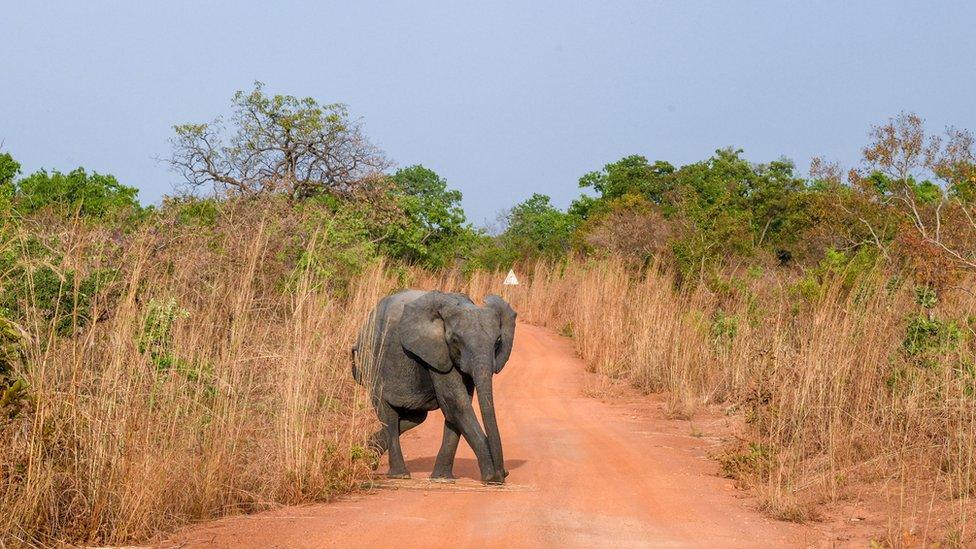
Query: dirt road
583,474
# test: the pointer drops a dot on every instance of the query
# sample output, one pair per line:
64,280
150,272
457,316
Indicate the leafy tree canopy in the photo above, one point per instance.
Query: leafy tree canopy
630,175
9,169
537,228
92,195
277,144
434,231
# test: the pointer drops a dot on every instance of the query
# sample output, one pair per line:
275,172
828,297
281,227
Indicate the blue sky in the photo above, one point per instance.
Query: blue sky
501,98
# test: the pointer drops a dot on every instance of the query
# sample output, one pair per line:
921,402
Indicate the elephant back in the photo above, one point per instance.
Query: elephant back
378,334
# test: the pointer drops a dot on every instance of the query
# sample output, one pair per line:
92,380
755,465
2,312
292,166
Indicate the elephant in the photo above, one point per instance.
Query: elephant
419,351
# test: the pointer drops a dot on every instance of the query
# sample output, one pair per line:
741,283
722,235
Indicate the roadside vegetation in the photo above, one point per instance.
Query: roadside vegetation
835,314
183,361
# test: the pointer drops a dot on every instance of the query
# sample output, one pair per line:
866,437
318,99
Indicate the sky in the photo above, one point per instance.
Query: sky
502,99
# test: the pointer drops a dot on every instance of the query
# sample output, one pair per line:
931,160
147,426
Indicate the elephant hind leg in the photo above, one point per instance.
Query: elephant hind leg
410,419
390,418
379,441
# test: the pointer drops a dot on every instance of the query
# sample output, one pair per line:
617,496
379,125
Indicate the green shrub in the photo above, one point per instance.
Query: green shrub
927,338
9,168
36,285
13,387
89,195
335,244
156,337
62,297
724,328
926,297
753,461
966,372
202,212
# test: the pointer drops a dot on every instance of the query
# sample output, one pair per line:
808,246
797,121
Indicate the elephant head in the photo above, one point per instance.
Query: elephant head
447,331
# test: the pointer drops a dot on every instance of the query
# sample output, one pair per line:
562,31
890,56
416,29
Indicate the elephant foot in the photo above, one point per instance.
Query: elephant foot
443,479
494,480
442,474
398,474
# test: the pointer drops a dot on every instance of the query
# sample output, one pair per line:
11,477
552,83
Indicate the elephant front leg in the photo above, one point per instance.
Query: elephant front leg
455,401
462,415
444,466
391,422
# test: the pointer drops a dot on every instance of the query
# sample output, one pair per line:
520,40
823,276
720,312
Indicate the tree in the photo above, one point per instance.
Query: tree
279,144
89,195
900,159
9,169
631,226
434,230
718,208
630,175
537,228
838,216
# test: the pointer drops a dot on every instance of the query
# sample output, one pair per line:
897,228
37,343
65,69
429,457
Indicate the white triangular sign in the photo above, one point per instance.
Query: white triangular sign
510,280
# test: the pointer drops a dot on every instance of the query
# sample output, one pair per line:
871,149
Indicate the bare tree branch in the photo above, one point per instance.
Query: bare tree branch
280,144
901,151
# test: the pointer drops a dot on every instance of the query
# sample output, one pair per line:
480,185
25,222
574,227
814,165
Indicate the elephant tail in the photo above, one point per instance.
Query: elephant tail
363,351
356,374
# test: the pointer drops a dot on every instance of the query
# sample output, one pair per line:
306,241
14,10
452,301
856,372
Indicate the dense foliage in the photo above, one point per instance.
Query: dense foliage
433,231
911,203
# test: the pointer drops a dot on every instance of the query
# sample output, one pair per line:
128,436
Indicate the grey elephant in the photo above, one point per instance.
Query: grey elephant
420,351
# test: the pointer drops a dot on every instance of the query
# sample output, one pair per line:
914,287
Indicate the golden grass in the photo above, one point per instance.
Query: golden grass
247,403
830,397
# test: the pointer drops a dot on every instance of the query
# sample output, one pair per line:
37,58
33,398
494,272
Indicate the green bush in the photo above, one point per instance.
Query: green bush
433,231
191,210
724,328
927,338
77,192
926,297
13,388
156,337
36,286
9,168
62,298
335,243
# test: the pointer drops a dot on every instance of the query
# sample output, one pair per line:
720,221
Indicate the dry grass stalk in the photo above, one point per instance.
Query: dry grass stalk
203,390
207,388
830,396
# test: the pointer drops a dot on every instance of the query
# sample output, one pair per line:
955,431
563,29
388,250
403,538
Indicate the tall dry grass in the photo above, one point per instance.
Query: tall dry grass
204,388
831,398
214,381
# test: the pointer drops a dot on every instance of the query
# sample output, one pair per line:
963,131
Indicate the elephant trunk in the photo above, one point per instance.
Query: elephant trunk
486,402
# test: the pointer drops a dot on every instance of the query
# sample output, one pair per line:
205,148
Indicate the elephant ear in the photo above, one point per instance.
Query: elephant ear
506,318
421,331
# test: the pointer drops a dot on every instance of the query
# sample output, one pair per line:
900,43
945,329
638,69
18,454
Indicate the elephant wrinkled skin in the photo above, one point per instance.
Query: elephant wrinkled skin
420,351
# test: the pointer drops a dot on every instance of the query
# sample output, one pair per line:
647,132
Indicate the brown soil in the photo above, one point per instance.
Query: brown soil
584,473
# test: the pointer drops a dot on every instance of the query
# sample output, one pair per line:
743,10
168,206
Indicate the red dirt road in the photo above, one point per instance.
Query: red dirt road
583,474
